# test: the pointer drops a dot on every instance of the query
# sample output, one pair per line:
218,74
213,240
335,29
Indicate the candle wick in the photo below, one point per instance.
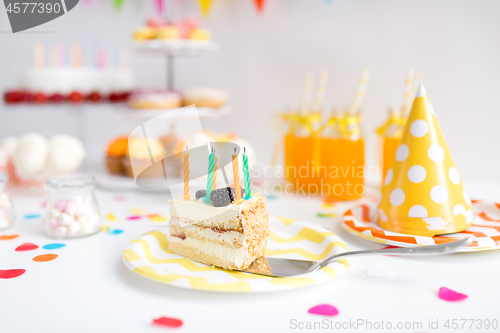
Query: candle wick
244,150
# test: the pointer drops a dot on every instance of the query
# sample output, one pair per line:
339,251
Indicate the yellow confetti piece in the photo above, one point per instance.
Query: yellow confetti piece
111,217
158,218
328,205
104,227
137,210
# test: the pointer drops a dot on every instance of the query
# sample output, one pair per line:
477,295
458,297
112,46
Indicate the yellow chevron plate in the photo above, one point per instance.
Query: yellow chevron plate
149,256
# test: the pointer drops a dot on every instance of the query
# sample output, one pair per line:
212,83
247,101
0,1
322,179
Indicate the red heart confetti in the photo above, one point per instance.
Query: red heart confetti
11,273
167,322
450,295
26,247
7,237
45,257
324,310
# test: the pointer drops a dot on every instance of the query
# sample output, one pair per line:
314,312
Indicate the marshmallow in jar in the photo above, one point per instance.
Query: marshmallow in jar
6,212
72,209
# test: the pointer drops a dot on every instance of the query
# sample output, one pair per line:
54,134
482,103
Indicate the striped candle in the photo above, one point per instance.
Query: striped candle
210,176
360,95
214,183
185,166
236,177
246,174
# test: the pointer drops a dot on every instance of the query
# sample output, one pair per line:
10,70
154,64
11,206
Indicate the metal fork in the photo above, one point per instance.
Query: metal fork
282,267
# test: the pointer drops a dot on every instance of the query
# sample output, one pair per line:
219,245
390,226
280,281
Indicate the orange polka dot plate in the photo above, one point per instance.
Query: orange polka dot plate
362,222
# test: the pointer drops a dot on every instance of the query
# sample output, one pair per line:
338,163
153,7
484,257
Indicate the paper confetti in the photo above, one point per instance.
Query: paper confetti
43,204
380,272
105,228
45,257
326,215
137,210
152,215
111,217
26,247
120,198
271,197
450,295
116,232
7,237
32,216
324,310
158,218
134,217
167,322
53,246
11,273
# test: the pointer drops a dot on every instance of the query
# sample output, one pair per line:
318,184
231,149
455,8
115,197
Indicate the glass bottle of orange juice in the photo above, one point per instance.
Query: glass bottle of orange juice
342,155
390,134
301,152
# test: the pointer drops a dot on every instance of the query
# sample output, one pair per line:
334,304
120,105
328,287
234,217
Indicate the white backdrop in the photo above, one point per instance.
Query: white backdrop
263,60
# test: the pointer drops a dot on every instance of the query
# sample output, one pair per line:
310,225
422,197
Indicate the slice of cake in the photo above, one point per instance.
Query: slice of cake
230,237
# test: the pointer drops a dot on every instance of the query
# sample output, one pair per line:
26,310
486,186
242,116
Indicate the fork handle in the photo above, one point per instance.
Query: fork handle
417,250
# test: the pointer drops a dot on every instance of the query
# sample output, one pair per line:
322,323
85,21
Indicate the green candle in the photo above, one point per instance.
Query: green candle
246,174
210,176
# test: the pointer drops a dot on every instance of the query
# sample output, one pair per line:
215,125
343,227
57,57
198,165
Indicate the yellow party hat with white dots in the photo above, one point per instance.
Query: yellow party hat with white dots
423,194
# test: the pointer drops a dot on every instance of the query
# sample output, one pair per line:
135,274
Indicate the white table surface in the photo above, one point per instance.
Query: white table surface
88,288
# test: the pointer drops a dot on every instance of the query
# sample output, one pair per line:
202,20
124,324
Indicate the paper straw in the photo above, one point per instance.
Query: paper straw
306,94
410,73
320,94
124,58
360,95
416,83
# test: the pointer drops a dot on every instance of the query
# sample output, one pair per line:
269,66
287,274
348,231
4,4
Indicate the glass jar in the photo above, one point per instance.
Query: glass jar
6,211
72,209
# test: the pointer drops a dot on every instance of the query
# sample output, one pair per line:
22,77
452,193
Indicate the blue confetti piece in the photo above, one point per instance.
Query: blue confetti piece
32,216
116,232
53,246
271,197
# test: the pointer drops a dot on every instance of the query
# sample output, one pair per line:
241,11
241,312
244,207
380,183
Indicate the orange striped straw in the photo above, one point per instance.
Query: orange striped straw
236,177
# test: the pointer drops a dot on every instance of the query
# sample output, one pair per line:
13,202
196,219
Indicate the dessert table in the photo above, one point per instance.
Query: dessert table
87,288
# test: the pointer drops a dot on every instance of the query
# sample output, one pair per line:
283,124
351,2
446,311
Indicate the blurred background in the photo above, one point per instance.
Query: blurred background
263,59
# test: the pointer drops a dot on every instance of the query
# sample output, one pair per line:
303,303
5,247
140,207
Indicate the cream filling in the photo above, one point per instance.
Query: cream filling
236,257
192,212
229,236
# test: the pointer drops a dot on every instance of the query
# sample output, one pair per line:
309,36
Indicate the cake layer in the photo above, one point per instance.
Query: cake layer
210,253
208,216
230,238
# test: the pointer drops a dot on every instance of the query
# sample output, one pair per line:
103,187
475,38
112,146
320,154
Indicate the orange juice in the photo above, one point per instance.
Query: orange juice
343,161
300,162
389,147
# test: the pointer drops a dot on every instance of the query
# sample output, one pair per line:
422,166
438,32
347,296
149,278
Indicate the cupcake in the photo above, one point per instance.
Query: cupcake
117,149
168,32
138,159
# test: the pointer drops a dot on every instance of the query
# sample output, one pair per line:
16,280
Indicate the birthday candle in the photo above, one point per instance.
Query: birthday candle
210,176
236,177
185,165
246,174
214,182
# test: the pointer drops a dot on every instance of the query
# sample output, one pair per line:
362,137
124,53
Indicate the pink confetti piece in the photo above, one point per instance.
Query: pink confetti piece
120,198
324,310
167,322
27,247
11,273
43,204
134,217
450,295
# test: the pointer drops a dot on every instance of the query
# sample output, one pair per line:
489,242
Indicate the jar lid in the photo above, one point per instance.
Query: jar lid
77,180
